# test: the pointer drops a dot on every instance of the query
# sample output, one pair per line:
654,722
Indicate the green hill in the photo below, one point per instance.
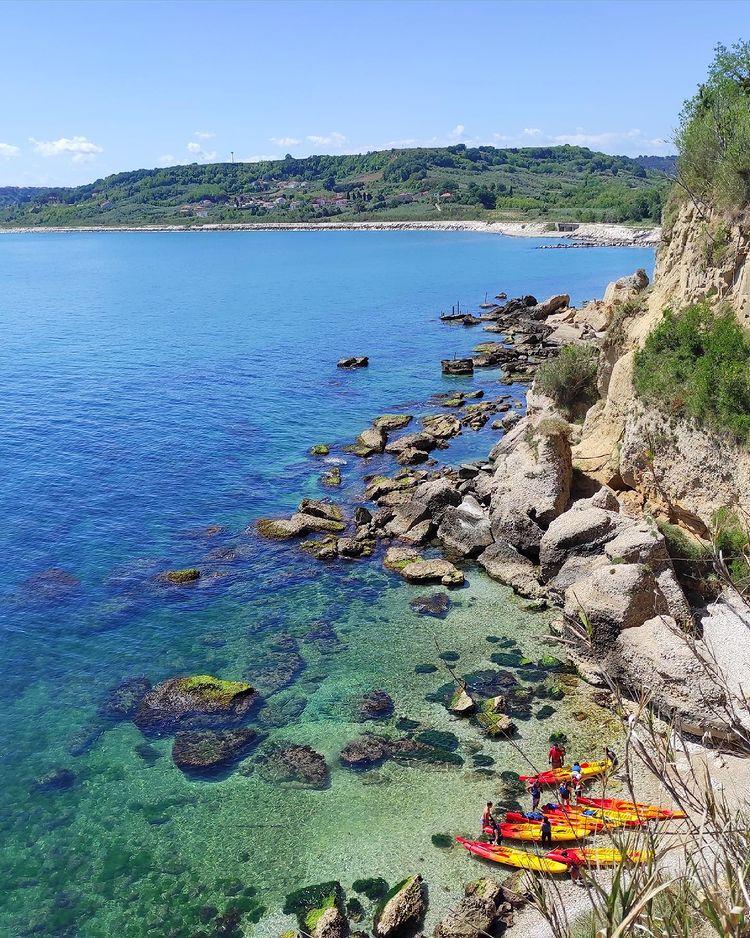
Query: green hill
455,182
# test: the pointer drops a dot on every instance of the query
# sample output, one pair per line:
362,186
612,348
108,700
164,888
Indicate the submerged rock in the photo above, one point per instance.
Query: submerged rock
181,577
293,766
365,753
431,604
56,780
332,478
462,703
208,750
196,701
403,909
375,705
124,699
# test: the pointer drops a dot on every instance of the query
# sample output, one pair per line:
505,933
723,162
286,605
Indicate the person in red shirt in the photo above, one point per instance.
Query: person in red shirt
556,755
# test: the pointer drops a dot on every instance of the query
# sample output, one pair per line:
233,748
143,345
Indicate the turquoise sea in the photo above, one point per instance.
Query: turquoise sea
160,393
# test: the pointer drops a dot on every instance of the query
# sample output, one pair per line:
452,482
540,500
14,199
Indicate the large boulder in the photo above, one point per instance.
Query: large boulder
614,598
583,531
198,701
465,528
442,426
390,422
412,441
531,484
504,563
430,571
550,306
370,442
655,659
403,909
484,910
206,751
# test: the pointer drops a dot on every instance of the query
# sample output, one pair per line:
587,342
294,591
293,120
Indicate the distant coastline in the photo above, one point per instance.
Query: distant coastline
585,234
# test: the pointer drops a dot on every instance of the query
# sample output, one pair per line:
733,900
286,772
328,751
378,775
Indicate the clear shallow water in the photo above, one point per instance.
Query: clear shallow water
155,384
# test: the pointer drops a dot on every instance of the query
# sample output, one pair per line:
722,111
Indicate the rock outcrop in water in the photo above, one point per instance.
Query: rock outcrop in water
199,701
403,909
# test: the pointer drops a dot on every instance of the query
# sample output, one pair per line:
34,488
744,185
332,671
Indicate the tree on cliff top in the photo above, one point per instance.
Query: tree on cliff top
713,138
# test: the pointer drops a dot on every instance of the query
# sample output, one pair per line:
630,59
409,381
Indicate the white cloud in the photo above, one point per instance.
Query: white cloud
80,149
201,155
333,139
8,151
285,141
457,133
627,142
532,132
204,134
167,160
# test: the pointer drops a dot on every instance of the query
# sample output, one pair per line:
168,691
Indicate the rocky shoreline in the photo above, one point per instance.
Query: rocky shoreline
578,235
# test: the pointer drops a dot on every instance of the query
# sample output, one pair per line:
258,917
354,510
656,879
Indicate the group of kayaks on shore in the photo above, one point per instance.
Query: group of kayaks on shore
564,823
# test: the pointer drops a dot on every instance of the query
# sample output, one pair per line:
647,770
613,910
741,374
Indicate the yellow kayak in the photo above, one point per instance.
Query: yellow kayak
510,856
532,831
565,773
597,856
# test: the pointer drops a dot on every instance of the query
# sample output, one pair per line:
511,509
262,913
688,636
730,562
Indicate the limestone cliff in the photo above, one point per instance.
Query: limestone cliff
665,464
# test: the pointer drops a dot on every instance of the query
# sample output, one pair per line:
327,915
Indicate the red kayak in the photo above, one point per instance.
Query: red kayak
557,818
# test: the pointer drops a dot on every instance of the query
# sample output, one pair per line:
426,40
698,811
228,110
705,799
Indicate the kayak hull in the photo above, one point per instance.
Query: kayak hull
606,819
510,856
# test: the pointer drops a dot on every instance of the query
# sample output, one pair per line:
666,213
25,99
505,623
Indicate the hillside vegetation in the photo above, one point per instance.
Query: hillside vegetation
458,182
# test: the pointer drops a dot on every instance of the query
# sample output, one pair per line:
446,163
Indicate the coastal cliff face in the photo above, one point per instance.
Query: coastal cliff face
665,464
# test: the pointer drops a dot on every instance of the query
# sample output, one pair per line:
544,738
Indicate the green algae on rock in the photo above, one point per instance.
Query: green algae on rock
180,577
320,449
311,902
402,909
374,887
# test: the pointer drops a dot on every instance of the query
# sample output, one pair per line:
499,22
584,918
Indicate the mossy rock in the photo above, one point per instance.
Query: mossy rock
373,888
545,712
355,911
393,891
559,738
333,478
439,739
493,639
310,903
524,662
508,776
449,656
442,840
555,691
552,663
425,669
211,689
320,449
276,529
180,577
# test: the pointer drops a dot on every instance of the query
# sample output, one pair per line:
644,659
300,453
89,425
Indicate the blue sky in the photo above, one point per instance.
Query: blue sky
90,88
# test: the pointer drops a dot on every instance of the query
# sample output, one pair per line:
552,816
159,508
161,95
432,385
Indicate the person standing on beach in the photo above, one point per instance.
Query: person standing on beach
546,831
556,755
489,823
564,792
536,794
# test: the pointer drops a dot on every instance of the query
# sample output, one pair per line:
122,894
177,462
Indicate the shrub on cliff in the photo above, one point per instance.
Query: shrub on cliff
696,363
570,378
713,139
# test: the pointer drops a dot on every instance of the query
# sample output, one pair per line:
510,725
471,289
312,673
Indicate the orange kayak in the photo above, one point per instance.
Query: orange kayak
608,819
511,856
636,807
579,820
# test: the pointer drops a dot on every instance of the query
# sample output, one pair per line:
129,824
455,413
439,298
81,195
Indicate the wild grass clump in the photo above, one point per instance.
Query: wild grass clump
696,363
570,378
731,537
713,139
